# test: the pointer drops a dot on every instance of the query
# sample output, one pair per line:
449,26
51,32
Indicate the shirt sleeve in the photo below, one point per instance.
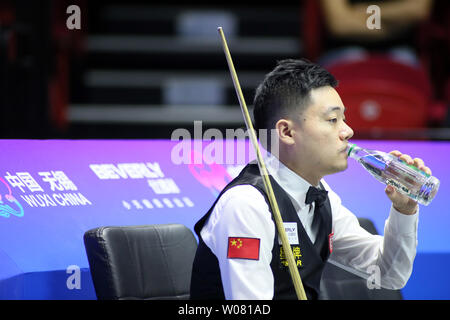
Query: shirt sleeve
362,253
242,212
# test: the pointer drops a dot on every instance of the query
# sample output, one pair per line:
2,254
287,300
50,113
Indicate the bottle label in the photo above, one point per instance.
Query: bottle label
397,185
415,168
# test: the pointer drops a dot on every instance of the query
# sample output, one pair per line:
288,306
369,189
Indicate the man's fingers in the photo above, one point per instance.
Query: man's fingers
396,153
406,158
427,170
421,165
402,156
417,162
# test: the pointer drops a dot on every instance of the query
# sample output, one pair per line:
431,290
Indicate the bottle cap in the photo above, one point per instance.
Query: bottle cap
350,147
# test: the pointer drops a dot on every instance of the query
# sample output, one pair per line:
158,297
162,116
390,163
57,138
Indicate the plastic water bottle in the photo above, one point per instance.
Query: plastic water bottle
388,169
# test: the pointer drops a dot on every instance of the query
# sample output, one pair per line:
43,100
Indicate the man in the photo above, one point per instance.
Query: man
239,254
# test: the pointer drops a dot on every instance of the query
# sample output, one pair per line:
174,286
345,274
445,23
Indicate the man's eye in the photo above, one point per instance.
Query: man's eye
334,120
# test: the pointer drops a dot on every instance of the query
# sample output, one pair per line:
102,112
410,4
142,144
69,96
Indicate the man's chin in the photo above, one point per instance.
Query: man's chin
344,166
340,168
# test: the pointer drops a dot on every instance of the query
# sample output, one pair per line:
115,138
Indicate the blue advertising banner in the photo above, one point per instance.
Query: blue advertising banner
53,191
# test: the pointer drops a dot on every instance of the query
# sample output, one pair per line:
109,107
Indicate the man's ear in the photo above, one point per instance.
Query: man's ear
285,129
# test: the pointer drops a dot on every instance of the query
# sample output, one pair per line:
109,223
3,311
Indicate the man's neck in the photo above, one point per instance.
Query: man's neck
304,173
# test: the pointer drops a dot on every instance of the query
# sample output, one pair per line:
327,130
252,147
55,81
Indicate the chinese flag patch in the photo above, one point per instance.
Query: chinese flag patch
243,248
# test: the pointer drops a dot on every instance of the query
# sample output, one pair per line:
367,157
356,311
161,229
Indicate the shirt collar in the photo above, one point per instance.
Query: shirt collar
295,186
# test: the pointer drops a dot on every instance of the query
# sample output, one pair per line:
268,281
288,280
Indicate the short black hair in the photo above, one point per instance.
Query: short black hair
287,88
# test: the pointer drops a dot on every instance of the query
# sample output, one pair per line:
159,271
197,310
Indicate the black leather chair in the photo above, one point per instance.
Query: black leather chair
339,284
141,262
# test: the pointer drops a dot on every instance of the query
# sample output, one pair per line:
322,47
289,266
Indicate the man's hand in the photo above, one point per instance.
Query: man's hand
402,203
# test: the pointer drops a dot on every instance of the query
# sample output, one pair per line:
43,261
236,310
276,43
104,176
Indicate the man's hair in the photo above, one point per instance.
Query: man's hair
287,88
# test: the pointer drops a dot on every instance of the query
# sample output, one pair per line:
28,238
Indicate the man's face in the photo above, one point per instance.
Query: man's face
321,135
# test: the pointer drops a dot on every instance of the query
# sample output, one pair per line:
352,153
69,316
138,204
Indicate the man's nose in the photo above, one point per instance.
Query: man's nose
346,133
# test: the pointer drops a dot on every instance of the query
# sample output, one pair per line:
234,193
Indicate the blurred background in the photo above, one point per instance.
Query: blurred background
140,69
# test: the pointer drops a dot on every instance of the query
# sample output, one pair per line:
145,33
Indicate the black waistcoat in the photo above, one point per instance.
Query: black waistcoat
310,257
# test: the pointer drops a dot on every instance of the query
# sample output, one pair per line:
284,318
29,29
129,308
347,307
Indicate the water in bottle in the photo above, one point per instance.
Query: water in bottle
388,169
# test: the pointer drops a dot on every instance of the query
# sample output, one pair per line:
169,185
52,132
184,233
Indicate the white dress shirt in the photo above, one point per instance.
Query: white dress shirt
243,212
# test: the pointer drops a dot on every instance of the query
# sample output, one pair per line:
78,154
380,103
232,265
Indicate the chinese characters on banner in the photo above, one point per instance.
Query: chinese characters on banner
34,189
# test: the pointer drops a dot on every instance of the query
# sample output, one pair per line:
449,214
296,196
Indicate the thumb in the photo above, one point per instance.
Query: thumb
390,192
397,199
401,202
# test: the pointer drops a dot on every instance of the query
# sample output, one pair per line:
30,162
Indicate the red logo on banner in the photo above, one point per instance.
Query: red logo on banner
243,248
